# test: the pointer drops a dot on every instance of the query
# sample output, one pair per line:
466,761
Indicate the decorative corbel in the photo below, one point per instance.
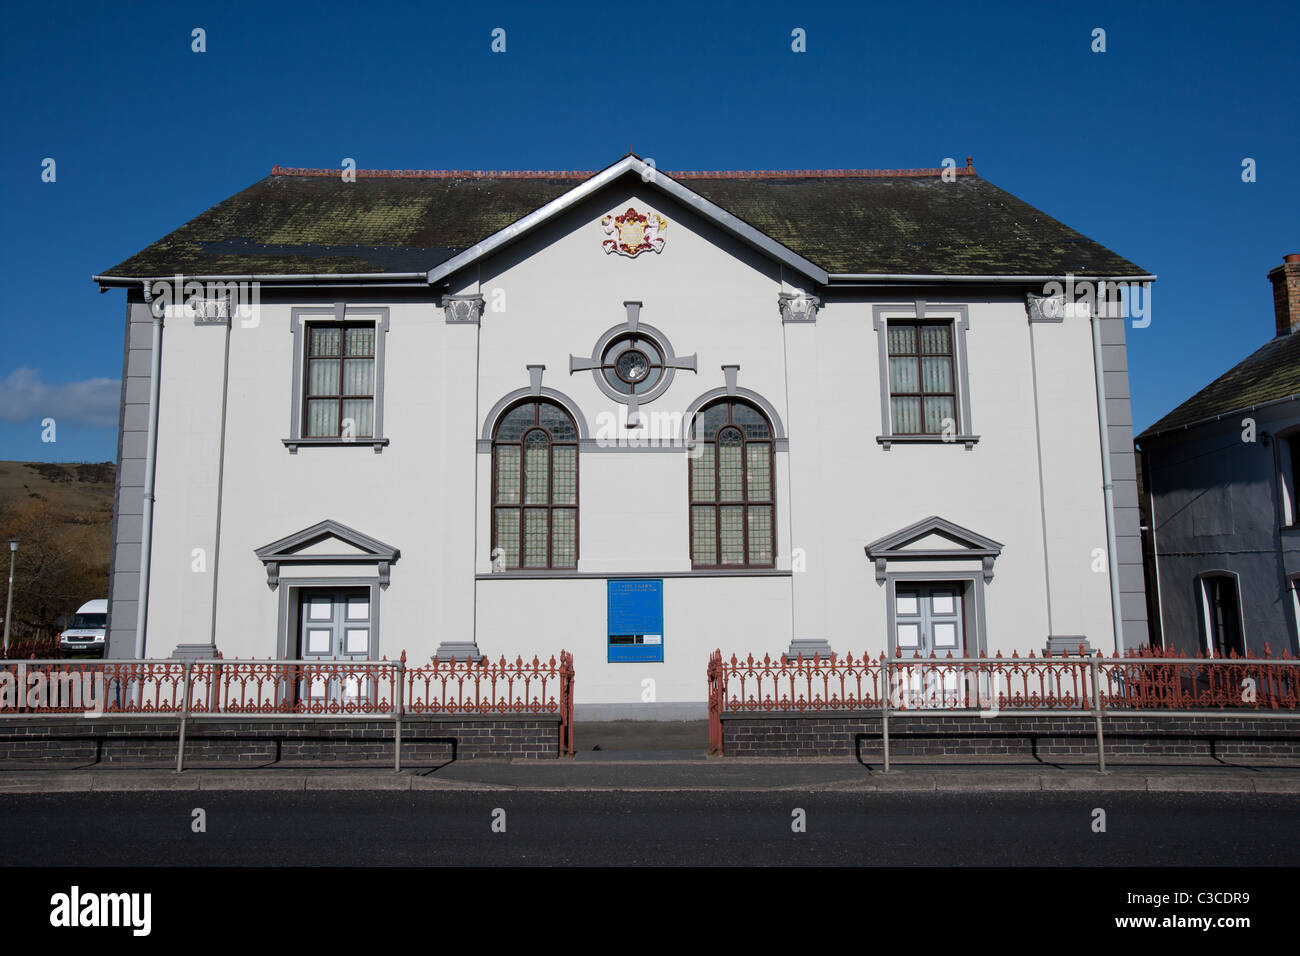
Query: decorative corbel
463,309
1045,308
880,570
798,307
272,575
383,567
987,561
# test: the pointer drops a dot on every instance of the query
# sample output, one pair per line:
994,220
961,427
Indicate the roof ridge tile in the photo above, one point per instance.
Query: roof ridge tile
967,170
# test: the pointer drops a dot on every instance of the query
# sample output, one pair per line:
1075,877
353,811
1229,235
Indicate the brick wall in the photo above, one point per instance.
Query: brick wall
233,743
846,735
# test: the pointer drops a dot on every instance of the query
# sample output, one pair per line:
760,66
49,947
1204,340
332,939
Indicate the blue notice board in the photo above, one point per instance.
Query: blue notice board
636,620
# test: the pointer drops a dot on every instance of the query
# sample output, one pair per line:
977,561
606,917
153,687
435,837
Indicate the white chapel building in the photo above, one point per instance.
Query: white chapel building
634,414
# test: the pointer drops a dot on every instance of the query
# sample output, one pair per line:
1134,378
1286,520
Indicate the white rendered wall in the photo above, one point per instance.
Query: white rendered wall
554,294
527,618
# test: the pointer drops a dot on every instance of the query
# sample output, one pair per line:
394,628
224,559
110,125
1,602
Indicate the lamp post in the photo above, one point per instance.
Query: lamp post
9,601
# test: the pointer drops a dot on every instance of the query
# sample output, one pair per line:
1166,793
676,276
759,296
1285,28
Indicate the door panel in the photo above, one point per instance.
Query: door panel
928,620
335,627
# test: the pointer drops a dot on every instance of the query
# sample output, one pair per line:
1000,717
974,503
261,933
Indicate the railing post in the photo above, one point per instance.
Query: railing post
1095,670
715,703
884,705
398,707
185,713
214,687
566,704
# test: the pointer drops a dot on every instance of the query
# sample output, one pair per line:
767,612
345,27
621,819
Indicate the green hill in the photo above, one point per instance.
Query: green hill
63,516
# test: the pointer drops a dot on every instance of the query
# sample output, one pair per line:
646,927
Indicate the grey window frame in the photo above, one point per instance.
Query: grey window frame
288,624
925,312
970,587
340,313
536,401
715,502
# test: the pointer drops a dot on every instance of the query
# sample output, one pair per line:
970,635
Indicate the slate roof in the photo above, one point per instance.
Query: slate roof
1269,374
845,221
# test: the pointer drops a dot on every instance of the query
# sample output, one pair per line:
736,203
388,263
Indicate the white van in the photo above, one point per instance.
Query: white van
88,629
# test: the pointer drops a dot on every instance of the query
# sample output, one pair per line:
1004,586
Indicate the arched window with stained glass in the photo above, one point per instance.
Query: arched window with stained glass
732,487
535,487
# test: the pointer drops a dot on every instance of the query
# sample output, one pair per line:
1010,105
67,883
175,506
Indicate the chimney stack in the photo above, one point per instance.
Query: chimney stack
1286,294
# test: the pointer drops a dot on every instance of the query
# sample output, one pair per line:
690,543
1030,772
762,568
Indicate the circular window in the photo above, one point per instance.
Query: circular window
632,365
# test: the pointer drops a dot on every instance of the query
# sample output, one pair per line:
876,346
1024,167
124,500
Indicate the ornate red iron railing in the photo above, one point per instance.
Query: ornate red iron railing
218,687
485,687
1147,679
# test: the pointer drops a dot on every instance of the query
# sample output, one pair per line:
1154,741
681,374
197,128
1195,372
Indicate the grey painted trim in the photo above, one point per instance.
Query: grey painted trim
961,324
463,309
1124,493
974,578
658,445
870,277
649,332
668,445
286,647
878,324
293,444
1045,308
495,412
942,553
650,175
1059,645
887,440
326,277
285,551
128,484
778,427
457,651
798,308
970,546
339,312
602,575
972,540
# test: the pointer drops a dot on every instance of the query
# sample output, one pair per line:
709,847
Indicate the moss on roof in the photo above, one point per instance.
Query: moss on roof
1269,374
915,225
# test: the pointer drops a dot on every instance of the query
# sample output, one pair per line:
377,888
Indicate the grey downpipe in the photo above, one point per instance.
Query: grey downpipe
1108,488
151,454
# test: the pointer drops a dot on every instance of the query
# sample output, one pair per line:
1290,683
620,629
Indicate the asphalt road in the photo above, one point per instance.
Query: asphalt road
349,828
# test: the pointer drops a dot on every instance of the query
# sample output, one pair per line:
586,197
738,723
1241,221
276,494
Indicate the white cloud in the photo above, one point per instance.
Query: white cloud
24,397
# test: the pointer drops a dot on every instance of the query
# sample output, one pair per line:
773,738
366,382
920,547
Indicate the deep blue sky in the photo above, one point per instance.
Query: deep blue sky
1139,147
